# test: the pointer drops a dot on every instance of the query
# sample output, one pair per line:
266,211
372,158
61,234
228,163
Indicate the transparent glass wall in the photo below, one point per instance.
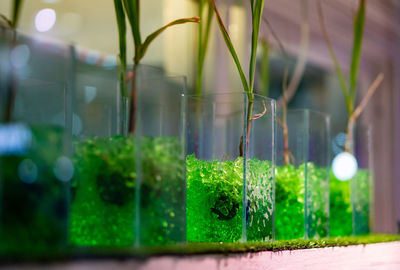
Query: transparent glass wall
96,101
302,176
131,189
35,146
224,162
363,183
352,197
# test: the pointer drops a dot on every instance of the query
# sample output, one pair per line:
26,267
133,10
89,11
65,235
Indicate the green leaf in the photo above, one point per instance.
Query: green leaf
132,12
264,69
230,47
155,34
120,15
256,20
359,22
339,72
17,5
203,40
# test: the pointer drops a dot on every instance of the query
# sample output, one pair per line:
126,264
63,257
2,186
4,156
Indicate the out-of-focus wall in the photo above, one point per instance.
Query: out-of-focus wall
380,54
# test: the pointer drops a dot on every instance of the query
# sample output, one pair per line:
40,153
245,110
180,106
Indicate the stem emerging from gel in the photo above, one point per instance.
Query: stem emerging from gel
130,9
349,89
257,7
290,89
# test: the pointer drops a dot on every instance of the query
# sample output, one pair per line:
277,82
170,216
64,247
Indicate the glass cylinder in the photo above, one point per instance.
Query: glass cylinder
96,101
35,148
362,184
302,175
34,174
352,196
131,189
230,162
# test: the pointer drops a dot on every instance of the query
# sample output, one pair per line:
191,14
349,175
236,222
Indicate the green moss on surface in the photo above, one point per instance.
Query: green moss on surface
200,248
279,245
214,200
103,205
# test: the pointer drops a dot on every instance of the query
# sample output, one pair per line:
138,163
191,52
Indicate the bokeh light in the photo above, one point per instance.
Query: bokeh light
45,19
27,171
344,166
15,139
64,169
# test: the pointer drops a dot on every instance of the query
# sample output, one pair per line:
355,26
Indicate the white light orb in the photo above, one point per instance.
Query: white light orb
45,19
344,166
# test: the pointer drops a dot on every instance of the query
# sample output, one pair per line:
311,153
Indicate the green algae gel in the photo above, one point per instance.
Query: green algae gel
104,203
34,201
215,200
342,203
290,218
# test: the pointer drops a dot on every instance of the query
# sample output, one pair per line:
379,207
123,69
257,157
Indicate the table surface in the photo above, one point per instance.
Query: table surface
373,256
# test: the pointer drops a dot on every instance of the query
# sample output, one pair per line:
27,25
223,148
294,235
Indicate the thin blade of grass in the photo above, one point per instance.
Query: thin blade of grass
199,70
206,37
370,92
120,15
277,39
359,22
339,72
256,20
302,58
203,40
17,5
264,70
156,33
229,44
5,19
132,12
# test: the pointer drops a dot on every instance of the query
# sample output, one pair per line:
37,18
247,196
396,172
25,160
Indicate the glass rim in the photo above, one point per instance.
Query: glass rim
311,111
165,73
232,94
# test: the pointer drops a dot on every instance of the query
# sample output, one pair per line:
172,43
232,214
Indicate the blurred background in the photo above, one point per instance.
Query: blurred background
91,27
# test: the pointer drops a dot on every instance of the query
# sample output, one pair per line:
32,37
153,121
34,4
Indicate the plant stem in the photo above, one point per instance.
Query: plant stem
338,69
257,10
12,83
17,5
285,131
264,70
360,108
131,9
133,103
302,58
199,71
203,40
359,23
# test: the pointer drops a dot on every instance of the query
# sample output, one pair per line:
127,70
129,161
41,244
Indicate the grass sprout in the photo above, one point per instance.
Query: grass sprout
349,88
